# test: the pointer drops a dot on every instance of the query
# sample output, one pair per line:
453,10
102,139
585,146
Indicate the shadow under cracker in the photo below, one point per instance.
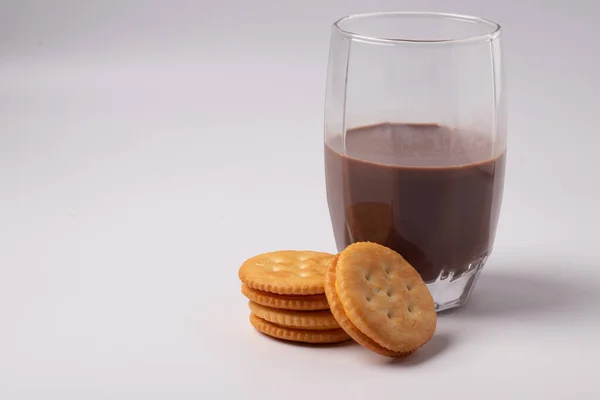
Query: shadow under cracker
293,343
437,345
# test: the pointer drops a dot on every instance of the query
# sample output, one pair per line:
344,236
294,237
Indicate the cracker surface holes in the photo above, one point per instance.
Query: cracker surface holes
342,317
384,319
288,272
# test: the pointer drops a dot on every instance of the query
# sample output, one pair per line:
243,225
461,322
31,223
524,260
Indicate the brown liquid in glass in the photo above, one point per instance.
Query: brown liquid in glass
431,193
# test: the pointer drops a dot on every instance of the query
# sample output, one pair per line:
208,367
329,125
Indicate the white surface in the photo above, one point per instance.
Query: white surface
146,151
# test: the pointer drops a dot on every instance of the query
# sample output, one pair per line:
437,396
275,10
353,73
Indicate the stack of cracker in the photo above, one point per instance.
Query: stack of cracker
367,292
286,290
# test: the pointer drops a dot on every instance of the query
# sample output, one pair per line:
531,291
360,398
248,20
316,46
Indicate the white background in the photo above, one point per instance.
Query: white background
148,148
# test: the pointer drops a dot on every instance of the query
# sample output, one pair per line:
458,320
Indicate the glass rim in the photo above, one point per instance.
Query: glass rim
494,33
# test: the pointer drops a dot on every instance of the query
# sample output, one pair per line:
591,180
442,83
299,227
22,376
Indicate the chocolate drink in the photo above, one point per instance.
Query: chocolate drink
429,192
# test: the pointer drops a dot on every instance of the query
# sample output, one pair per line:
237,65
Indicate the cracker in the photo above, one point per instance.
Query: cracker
384,297
338,312
287,302
286,272
313,320
298,335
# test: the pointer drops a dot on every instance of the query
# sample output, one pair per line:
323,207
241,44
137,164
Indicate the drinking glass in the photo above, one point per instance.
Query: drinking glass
415,141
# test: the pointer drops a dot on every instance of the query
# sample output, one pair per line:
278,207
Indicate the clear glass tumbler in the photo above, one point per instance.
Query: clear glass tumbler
415,141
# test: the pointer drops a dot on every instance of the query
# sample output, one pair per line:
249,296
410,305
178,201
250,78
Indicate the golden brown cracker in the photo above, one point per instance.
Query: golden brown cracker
286,302
298,335
312,320
384,297
338,312
286,272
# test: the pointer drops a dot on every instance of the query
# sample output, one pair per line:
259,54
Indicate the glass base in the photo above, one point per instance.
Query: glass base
450,290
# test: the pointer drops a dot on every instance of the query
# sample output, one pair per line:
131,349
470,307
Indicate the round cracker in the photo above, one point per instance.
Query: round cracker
286,272
313,320
385,297
298,335
338,312
286,302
